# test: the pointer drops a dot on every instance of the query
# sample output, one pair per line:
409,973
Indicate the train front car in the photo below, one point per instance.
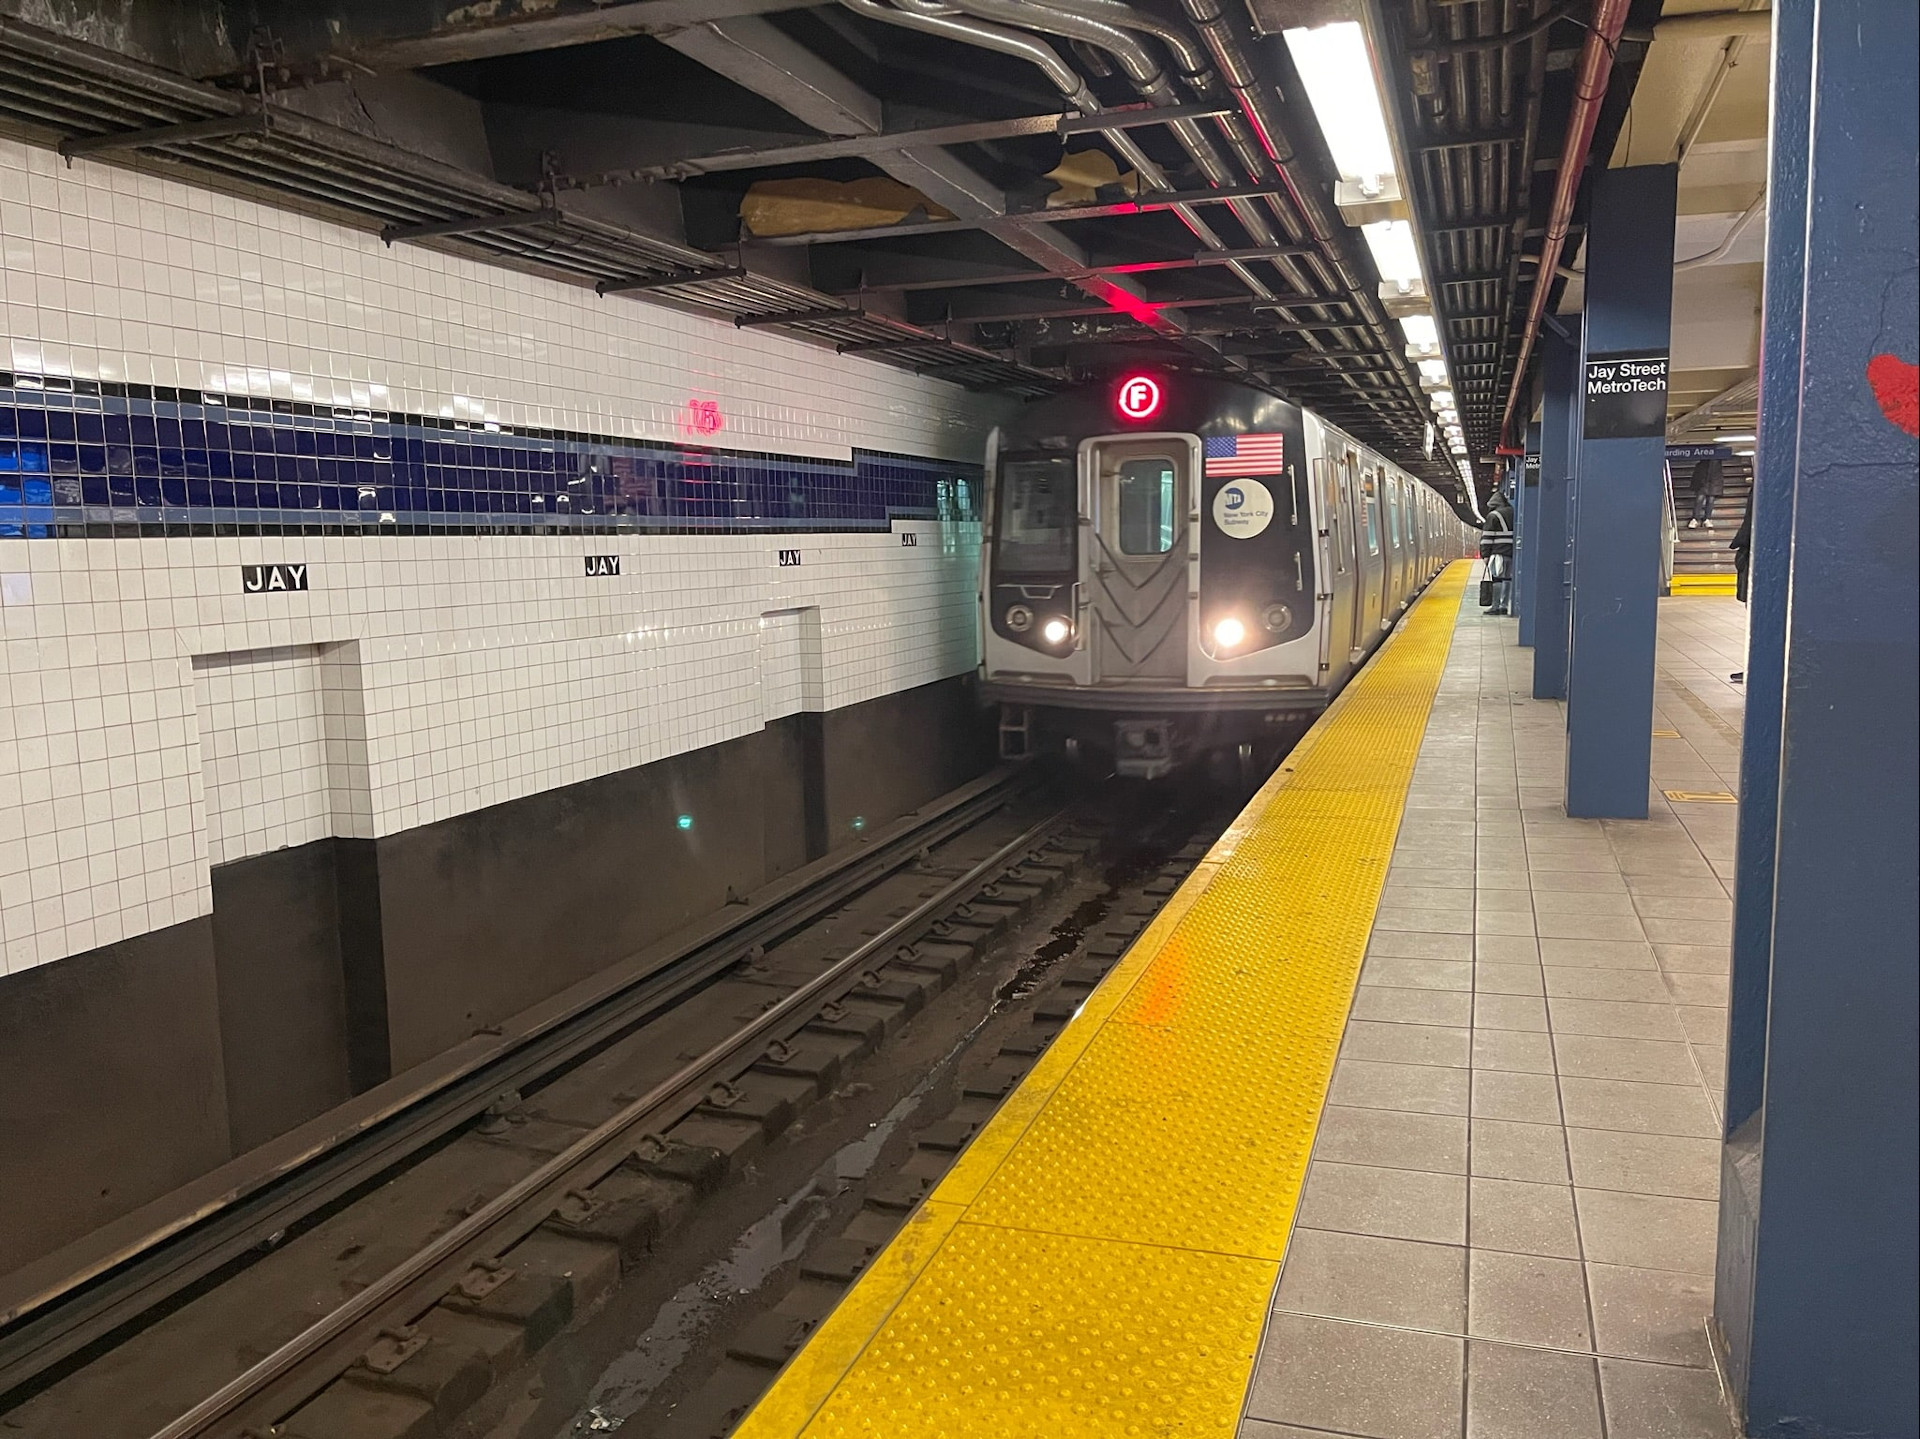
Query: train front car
1151,571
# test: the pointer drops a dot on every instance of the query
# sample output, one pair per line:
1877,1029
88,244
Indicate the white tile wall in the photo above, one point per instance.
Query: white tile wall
157,720
263,750
114,275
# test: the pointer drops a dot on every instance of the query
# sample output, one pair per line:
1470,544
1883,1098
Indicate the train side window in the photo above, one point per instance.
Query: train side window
1036,515
1370,502
1147,495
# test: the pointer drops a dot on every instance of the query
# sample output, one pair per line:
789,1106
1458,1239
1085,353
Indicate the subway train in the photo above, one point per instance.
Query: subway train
1178,568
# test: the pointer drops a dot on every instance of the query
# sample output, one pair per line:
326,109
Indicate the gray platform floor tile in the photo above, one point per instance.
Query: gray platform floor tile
1509,1220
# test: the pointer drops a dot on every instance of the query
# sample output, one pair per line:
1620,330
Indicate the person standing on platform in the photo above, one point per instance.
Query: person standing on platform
1709,479
1496,548
1741,544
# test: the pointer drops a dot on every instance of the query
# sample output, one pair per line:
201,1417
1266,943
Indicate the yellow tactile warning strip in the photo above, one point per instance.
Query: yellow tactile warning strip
1100,1259
1702,585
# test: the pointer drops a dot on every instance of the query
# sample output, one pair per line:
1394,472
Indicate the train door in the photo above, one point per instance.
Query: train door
1352,494
1138,564
1397,553
1335,575
1416,531
1373,559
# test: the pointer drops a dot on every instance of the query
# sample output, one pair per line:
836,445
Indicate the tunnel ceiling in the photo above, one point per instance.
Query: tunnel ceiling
1008,196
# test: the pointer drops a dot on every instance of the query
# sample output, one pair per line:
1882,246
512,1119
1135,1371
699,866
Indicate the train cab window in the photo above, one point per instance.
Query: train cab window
1147,493
1036,516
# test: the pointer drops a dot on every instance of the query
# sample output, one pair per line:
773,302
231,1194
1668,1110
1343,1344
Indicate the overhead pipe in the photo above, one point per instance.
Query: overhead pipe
1144,72
1198,73
1187,54
1075,18
1234,67
1090,20
938,20
930,17
1259,159
1590,77
935,18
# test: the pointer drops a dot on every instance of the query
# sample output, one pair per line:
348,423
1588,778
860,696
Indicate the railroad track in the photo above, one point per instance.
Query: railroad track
807,972
810,1228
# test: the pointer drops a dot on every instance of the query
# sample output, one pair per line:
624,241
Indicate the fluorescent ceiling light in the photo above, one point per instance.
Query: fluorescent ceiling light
1420,330
1736,439
1434,370
1443,399
1395,255
1338,73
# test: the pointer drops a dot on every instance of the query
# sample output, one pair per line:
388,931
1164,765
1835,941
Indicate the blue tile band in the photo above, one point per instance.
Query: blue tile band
88,458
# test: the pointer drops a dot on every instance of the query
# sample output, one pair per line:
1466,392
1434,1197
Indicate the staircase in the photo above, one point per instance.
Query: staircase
1702,563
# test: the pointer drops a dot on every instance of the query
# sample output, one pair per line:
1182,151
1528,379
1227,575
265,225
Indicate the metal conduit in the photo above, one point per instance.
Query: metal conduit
1146,76
1254,162
976,29
1060,17
1197,72
931,17
1236,70
1589,89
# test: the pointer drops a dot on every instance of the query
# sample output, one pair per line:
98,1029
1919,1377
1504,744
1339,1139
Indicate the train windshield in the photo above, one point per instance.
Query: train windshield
1036,516
1146,496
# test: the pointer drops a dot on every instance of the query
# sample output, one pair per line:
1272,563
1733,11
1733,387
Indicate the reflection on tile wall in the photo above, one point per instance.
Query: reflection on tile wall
214,641
79,457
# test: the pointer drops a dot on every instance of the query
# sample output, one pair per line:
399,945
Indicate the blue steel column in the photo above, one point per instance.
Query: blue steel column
1616,551
1772,509
1559,452
1819,1264
1526,498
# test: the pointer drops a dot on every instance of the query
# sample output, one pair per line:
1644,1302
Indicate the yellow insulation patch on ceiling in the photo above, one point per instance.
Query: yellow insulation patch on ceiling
802,206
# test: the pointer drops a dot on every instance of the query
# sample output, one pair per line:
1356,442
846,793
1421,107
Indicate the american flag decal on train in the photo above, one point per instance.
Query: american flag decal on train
1229,455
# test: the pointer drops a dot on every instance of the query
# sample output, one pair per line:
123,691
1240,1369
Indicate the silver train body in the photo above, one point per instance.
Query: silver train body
1175,567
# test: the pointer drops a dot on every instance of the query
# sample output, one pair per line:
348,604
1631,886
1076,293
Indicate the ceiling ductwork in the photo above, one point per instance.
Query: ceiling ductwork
1012,194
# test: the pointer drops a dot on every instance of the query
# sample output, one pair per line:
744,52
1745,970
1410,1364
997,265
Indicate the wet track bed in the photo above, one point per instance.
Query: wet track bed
661,1289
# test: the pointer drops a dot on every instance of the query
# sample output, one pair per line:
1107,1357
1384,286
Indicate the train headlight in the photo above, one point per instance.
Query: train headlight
1228,633
1276,617
1019,619
1056,631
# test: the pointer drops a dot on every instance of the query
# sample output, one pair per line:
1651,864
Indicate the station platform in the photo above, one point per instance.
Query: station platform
1399,1122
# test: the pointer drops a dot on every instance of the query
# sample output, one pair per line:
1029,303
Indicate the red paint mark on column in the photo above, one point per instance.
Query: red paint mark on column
1896,385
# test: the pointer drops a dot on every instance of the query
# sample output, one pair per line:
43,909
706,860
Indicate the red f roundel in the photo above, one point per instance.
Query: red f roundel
1138,397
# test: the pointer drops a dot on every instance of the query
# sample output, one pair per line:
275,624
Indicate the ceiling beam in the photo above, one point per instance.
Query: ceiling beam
852,147
1148,201
906,276
551,27
755,55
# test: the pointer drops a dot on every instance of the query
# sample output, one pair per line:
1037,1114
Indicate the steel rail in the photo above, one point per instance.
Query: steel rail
62,1316
303,1365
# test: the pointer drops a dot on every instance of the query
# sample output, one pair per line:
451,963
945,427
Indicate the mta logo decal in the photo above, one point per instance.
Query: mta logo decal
1236,497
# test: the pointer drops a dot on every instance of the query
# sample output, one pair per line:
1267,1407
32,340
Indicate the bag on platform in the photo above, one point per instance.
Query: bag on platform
1486,594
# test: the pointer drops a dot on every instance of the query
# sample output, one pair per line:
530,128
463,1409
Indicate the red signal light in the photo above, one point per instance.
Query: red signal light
1138,397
